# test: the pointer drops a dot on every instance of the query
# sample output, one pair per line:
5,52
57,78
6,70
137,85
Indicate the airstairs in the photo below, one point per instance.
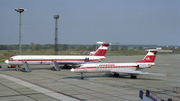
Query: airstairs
28,69
26,66
176,96
149,96
56,67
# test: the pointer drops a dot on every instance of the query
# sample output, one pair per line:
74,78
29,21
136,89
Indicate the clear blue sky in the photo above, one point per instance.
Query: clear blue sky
146,22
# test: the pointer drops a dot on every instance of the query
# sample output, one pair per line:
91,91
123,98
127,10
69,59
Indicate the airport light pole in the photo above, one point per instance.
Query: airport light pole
20,10
56,35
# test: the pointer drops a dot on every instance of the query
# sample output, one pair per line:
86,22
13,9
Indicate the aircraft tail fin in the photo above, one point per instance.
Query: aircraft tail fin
150,57
101,51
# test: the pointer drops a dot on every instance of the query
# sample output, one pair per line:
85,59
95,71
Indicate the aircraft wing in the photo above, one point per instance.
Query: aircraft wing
72,63
137,72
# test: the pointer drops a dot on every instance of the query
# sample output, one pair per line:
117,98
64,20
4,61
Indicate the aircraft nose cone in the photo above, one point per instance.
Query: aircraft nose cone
72,70
7,61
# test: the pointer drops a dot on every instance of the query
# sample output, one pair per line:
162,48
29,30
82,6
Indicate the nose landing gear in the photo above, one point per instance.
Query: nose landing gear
82,76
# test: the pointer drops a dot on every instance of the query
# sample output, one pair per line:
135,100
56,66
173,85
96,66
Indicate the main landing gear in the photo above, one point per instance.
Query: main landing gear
66,66
116,74
133,77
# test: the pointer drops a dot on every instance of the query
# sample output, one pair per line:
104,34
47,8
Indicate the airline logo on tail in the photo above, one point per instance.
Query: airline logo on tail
101,51
151,55
149,58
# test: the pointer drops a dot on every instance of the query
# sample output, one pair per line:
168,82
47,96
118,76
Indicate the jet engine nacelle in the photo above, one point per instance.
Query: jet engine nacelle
144,66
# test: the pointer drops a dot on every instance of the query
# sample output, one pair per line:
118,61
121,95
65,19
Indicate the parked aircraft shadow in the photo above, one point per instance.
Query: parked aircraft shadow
8,69
40,68
19,69
110,76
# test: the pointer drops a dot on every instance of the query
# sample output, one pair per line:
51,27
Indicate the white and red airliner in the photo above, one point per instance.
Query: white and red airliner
116,68
96,56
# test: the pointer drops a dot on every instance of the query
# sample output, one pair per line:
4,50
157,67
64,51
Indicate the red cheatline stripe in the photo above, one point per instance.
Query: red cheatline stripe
106,67
55,59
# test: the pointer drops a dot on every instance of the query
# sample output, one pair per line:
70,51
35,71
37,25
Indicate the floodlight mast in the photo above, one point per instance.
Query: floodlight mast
56,35
20,10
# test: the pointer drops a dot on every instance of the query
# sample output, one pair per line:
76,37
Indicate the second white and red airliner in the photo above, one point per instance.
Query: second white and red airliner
116,68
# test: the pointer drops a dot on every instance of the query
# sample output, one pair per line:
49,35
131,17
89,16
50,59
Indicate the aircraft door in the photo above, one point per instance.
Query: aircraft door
97,67
85,69
86,59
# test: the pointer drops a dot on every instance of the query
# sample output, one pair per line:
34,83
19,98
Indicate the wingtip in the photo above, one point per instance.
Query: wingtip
167,74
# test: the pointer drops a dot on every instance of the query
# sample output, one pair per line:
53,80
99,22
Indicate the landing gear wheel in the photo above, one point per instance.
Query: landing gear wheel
133,77
82,76
65,66
116,74
53,68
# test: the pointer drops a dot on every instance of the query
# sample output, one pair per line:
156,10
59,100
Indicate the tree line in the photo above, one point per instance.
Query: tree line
64,47
61,47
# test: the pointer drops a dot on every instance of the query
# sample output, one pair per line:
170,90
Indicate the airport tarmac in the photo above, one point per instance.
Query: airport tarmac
43,84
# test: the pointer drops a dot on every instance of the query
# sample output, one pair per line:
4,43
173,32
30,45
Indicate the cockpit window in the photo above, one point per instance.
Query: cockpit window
10,58
80,65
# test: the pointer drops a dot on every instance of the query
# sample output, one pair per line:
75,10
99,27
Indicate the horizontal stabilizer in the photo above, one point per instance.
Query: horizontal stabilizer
104,43
159,50
101,51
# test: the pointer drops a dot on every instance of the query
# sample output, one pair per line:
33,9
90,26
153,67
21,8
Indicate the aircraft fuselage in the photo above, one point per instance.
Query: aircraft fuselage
47,59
